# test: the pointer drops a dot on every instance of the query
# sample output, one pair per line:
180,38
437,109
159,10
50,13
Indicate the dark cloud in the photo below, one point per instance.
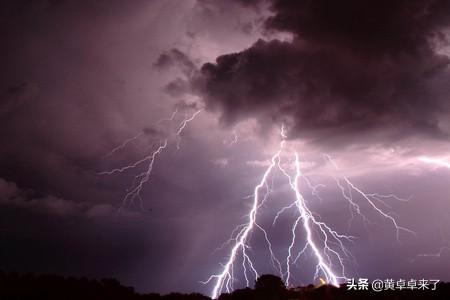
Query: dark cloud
370,28
351,67
82,91
175,57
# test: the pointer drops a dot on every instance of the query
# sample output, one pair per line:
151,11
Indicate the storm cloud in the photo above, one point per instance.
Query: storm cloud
88,87
351,68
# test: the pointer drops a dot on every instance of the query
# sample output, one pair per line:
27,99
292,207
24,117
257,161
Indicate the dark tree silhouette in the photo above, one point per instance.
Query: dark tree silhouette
269,283
15,286
270,287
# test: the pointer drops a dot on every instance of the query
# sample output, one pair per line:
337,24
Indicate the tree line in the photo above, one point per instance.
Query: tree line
14,286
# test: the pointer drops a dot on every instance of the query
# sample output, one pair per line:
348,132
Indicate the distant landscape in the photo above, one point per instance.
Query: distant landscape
268,287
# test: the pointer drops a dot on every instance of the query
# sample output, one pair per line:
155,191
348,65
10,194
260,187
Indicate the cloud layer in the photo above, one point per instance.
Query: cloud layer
351,68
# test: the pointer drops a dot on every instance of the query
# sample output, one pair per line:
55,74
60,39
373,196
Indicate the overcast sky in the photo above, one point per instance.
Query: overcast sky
366,83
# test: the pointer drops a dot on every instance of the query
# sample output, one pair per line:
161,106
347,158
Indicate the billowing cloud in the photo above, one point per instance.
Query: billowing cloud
79,80
352,67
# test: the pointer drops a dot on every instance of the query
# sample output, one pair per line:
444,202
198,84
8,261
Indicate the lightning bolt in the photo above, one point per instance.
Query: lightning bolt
326,244
124,144
370,198
137,136
183,125
225,279
309,220
134,191
323,253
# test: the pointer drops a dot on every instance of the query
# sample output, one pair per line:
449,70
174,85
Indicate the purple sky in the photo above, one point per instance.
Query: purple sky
366,83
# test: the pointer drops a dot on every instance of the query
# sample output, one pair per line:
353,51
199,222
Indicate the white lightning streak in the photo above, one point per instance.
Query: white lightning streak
224,280
183,125
225,277
124,144
144,176
385,215
369,199
308,219
326,244
140,179
132,139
